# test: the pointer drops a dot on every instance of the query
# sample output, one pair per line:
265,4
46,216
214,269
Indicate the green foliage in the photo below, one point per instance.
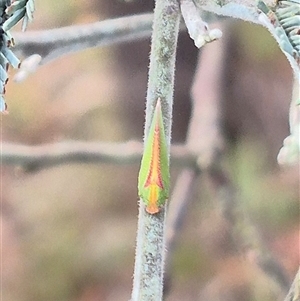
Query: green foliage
18,10
285,19
10,14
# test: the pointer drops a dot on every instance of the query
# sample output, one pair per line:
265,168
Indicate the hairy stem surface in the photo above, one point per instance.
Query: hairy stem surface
149,264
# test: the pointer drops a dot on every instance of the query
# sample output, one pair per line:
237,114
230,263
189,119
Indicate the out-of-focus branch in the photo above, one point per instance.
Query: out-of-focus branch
203,140
206,124
205,119
54,43
204,137
42,156
244,234
294,292
181,196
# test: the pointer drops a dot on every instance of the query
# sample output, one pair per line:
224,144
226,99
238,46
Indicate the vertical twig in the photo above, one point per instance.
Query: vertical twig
204,137
149,261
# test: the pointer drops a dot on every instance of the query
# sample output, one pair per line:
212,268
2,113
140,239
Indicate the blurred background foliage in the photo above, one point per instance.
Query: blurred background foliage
68,232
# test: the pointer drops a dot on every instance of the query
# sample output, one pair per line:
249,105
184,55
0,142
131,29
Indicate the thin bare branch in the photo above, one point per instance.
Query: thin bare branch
42,156
204,137
54,43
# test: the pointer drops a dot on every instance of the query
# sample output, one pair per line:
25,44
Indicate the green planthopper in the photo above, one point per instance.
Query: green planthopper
154,175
